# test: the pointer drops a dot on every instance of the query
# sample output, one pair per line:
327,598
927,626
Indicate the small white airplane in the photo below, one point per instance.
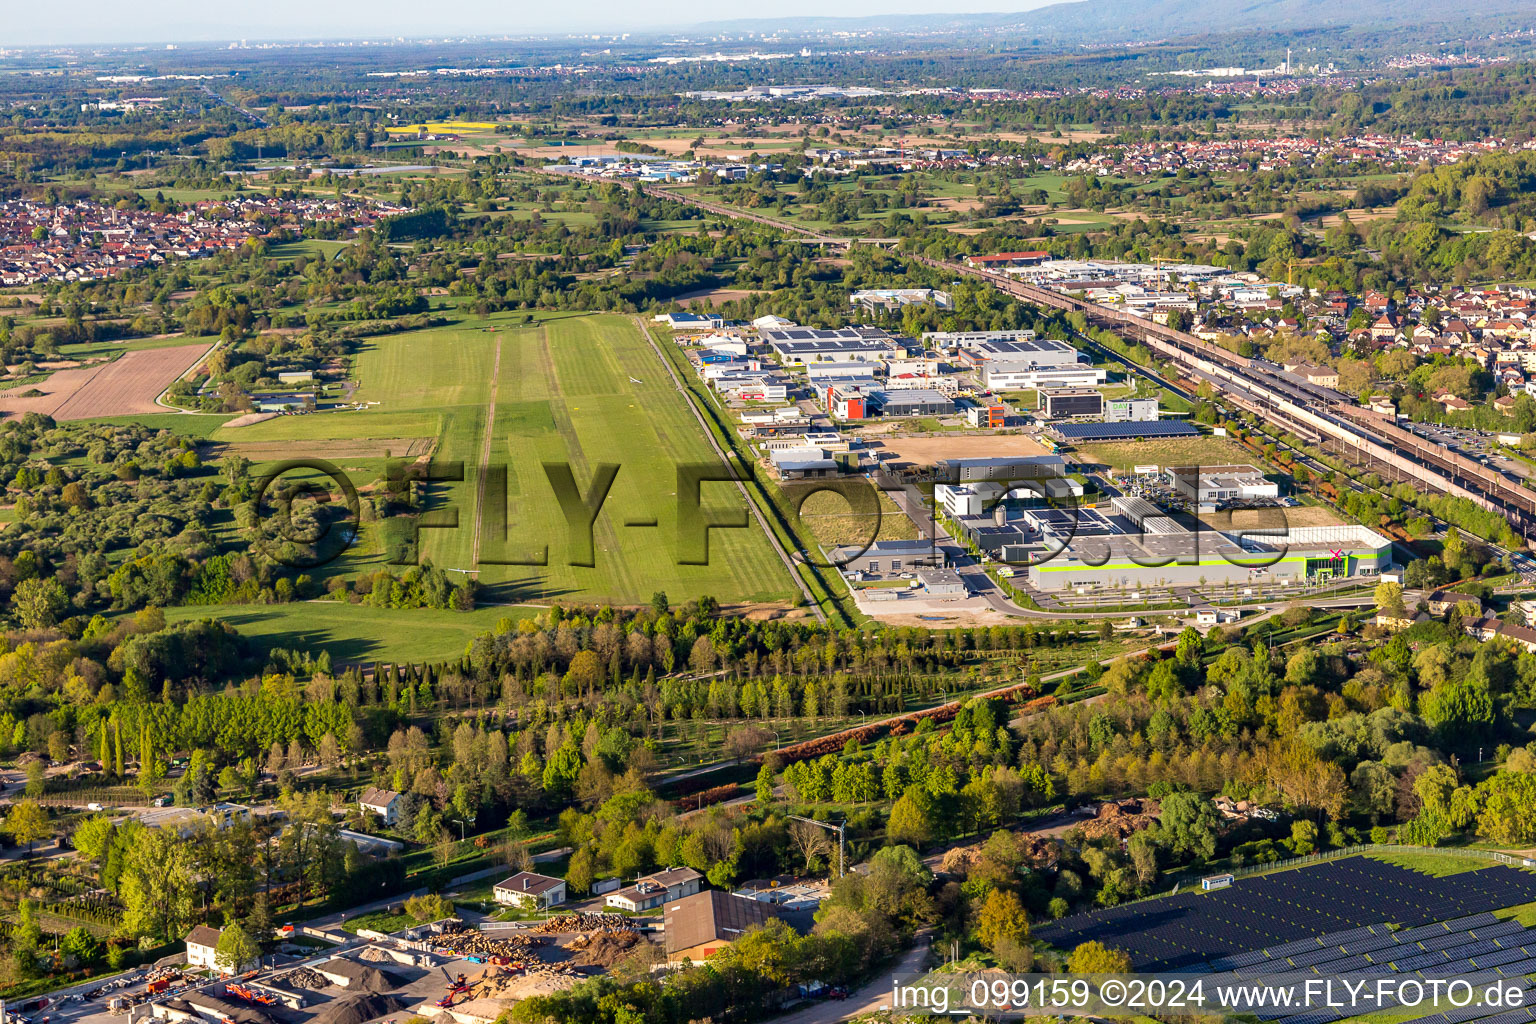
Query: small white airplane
636,380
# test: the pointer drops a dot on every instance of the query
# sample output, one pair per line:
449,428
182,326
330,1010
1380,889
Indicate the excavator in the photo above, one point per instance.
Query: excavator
458,987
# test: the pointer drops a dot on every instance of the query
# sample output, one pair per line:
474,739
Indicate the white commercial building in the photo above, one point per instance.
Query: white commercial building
1213,484
1000,378
1130,410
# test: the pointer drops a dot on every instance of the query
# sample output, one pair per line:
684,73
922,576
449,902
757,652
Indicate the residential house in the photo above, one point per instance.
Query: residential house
1488,628
203,950
529,891
383,802
653,891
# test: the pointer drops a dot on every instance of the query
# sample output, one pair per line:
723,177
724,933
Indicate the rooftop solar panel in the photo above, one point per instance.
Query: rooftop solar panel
1115,431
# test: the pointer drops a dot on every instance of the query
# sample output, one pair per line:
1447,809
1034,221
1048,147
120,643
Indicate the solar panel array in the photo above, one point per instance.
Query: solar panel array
1475,972
1117,431
1288,914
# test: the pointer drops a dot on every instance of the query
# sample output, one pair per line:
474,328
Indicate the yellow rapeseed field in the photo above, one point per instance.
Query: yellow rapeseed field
453,127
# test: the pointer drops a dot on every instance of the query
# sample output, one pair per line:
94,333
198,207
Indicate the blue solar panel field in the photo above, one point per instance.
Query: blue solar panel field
1314,916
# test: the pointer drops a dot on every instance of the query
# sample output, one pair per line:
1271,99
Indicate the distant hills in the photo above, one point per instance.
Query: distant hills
1132,20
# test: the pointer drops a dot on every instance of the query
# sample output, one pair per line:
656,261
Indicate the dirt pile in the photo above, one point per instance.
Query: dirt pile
1121,819
303,977
602,949
1039,851
359,1009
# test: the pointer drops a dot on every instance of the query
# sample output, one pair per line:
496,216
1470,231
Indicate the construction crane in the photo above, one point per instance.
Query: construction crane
842,848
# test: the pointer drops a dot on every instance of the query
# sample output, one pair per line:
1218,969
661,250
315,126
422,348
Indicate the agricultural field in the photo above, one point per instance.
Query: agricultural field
579,389
127,385
1206,450
353,632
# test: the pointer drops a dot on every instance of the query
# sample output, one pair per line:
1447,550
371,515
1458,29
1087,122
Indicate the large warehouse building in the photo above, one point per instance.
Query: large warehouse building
1002,377
1162,553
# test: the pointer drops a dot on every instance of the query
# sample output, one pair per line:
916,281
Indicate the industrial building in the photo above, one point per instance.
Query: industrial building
1212,485
1146,516
799,346
1071,403
1130,410
881,299
1020,354
1136,430
942,582
989,417
888,557
802,464
861,399
971,339
1004,468
914,402
1094,558
848,401
995,377
961,501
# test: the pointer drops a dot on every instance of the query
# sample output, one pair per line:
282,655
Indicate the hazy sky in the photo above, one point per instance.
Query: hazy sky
134,21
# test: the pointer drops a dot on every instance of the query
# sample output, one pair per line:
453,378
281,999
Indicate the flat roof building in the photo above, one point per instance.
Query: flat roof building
913,402
1130,410
1070,403
1019,354
888,557
1207,485
942,582
799,346
1090,561
1003,468
1087,433
894,298
657,889
1005,377
971,339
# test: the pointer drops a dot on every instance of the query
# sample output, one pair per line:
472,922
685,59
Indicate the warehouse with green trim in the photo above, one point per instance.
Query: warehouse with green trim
1136,560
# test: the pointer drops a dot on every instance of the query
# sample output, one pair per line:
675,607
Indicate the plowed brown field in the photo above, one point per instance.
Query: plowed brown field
126,385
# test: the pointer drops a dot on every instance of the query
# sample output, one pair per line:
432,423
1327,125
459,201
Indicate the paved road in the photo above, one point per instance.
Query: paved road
872,998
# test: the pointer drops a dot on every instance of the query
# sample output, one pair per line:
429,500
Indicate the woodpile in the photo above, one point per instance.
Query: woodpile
586,921
487,946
